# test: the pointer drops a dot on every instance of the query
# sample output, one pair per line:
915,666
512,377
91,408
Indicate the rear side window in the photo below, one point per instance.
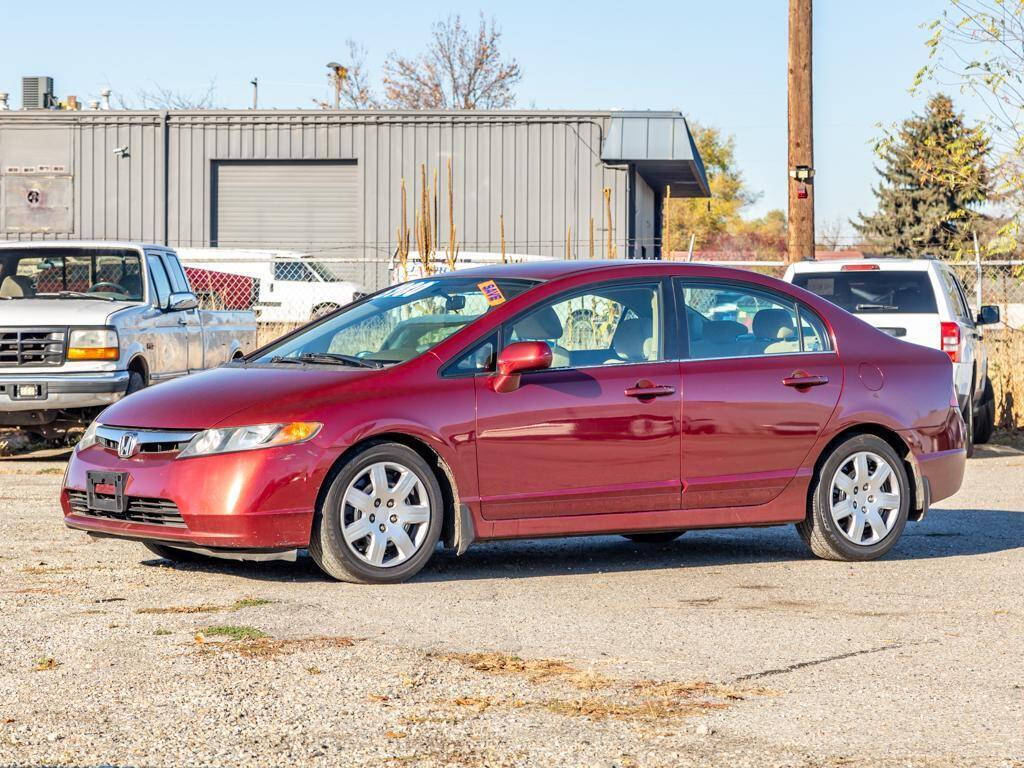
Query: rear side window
956,299
867,292
733,320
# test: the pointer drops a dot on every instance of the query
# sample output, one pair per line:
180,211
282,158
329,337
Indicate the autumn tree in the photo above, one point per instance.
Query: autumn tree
934,179
717,223
356,90
161,97
459,70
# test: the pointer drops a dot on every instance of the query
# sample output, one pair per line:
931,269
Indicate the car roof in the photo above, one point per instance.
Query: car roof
557,268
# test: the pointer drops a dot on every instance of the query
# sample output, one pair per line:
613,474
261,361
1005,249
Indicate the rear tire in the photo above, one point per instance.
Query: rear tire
378,525
985,417
661,537
838,518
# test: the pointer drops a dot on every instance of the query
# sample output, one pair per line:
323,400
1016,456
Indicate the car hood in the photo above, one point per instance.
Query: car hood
45,312
254,394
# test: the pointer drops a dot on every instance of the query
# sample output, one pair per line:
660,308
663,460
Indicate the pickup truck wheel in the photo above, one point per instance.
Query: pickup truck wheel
860,499
661,537
985,416
380,519
136,381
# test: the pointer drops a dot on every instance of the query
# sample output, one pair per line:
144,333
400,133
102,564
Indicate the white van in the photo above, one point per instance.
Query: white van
291,287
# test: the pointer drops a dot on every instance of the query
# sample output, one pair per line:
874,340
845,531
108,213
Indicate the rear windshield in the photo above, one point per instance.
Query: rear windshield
872,292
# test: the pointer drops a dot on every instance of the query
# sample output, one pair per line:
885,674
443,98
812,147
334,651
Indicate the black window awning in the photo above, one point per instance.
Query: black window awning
659,145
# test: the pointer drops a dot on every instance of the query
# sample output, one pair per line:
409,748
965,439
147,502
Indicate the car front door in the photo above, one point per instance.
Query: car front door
192,323
166,345
758,389
583,437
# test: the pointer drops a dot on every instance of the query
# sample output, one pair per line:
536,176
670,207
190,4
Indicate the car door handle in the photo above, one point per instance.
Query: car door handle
800,380
644,389
182,321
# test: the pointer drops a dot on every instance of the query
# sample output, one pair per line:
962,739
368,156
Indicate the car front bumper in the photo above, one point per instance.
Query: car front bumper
259,500
60,391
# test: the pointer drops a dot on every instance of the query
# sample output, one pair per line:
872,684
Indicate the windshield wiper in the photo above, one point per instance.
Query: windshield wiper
75,295
881,307
329,358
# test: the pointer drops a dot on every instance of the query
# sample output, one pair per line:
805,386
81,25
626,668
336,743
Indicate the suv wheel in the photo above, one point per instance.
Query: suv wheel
985,415
380,519
968,413
859,501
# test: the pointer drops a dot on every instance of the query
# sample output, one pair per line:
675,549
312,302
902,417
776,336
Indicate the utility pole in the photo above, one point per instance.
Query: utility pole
255,82
337,75
801,128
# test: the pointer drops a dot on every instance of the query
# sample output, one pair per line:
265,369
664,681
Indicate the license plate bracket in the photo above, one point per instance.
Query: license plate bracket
105,491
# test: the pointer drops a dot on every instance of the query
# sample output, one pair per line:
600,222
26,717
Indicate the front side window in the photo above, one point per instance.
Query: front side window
158,277
732,320
611,324
293,270
397,324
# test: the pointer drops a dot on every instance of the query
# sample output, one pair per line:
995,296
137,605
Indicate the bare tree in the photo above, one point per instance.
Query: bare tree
356,91
830,234
165,98
459,70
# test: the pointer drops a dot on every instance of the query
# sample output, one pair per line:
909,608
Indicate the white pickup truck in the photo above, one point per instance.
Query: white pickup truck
84,323
921,301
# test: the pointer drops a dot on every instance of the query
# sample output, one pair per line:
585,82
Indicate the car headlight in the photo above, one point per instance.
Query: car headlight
93,344
229,440
88,438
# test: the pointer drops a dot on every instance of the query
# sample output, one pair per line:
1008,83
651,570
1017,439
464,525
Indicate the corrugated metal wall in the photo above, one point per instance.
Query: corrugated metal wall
541,171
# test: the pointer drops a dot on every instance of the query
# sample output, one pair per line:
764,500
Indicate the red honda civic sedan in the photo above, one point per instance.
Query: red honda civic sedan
544,399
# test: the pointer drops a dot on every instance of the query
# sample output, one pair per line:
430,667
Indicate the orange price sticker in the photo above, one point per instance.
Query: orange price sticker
491,292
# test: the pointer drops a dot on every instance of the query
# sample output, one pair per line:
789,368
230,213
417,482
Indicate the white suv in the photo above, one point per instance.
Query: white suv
920,301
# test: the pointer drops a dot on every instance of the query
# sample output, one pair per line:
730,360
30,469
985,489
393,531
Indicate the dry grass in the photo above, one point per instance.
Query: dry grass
537,671
1006,371
45,664
262,646
246,602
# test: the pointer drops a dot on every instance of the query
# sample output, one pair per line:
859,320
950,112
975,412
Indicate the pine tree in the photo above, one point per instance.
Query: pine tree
934,179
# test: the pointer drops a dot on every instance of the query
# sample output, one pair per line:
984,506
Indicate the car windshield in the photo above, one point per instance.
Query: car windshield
865,292
99,273
397,324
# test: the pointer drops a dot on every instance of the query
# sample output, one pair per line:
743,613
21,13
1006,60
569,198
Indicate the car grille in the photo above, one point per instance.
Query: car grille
31,346
140,510
148,440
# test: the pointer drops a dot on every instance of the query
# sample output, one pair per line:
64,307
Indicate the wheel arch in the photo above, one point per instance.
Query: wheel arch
453,529
897,443
138,363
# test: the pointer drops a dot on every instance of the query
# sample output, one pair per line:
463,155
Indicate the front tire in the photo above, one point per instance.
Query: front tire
380,519
859,502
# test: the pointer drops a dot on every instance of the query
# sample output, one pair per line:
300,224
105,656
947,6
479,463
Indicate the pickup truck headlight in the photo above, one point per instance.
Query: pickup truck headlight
211,441
93,344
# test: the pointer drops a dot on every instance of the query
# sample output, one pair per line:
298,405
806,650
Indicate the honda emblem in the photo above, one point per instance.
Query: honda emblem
128,445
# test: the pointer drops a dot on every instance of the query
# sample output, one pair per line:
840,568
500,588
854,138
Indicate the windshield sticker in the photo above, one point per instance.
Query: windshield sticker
823,286
408,289
491,292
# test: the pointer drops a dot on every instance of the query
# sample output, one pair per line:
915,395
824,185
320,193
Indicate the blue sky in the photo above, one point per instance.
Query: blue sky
723,64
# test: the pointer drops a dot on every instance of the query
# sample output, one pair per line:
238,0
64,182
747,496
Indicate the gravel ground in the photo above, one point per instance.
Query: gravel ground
723,648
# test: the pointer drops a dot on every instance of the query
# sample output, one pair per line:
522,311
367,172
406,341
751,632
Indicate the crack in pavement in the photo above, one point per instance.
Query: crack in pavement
840,657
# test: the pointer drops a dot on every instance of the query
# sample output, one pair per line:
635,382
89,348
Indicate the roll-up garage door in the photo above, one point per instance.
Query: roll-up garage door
292,204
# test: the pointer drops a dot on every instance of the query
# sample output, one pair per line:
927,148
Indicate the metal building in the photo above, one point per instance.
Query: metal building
330,181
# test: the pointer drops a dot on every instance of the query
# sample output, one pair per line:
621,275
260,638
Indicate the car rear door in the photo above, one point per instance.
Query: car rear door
583,437
757,392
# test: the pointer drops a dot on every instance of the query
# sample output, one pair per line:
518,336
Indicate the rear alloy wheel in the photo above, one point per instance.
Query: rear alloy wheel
661,537
860,501
985,416
381,519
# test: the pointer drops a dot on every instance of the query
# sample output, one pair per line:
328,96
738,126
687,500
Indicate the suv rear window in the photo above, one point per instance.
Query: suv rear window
872,292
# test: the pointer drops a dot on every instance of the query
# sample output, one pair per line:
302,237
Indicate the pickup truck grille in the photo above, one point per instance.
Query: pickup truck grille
140,510
31,346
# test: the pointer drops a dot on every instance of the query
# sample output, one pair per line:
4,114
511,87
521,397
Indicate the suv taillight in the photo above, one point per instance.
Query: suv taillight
950,338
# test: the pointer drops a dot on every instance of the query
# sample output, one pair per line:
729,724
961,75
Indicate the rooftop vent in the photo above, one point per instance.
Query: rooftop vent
37,93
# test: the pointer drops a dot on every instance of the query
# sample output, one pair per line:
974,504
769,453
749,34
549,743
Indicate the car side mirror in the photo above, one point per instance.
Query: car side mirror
989,314
515,359
179,302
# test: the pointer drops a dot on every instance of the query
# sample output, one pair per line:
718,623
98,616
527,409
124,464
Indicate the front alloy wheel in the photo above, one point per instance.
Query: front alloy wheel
381,517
